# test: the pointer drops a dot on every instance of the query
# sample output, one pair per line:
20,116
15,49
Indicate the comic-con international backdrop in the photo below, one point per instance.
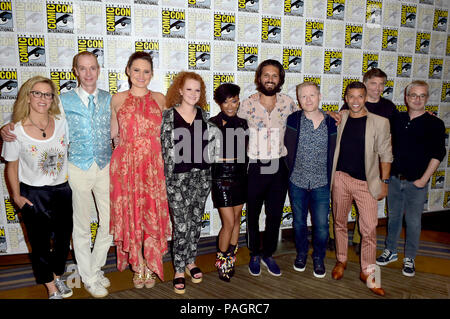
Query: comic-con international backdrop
330,42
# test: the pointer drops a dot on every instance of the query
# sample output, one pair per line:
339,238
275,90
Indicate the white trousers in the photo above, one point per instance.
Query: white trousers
86,185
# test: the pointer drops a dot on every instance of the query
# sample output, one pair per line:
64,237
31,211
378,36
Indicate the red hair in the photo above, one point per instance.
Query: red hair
173,96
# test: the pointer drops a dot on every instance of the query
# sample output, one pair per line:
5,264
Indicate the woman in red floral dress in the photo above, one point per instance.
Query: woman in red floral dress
140,220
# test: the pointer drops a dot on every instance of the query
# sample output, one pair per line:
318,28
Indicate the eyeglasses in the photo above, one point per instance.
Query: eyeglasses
415,96
47,96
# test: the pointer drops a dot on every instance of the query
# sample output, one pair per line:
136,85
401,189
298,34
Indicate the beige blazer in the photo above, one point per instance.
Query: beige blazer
378,149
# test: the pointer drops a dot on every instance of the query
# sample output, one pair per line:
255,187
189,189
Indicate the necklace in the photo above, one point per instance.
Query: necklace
41,129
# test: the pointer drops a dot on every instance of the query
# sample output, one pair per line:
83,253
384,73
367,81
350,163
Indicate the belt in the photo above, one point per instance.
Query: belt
401,177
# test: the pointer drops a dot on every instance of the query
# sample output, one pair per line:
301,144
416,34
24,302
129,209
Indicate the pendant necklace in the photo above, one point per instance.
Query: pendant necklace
41,129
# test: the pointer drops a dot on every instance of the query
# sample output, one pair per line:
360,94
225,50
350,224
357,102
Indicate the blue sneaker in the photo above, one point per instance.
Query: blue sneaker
319,268
386,257
271,266
409,269
300,264
254,266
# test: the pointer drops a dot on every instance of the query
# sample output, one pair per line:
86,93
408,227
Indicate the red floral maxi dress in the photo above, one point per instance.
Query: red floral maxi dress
139,209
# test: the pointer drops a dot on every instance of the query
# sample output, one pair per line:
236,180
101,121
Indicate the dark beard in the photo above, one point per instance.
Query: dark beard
271,92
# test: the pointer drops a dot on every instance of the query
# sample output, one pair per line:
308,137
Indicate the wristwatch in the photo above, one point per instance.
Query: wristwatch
386,181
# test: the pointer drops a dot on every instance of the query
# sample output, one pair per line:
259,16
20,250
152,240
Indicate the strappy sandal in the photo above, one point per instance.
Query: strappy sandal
138,277
179,281
192,272
150,278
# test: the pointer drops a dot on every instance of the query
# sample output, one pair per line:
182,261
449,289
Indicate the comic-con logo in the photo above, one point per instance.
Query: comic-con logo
173,23
388,92
438,179
408,16
247,58
116,81
221,78
94,228
8,84
206,222
402,107
332,107
332,63
11,214
224,27
271,30
446,203
59,17
168,78
373,11
248,5
435,70
312,78
31,51
294,7
404,65
6,16
199,56
370,61
335,9
353,36
201,4
423,42
314,32
433,109
447,50
445,94
151,47
440,20
389,40
118,20
292,60
3,243
94,45
345,82
148,2
64,80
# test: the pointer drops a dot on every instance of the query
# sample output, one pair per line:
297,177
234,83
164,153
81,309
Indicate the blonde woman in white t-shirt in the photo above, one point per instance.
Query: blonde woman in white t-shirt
37,176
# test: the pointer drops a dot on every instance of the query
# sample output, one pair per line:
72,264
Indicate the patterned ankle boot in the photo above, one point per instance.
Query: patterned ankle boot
231,257
222,266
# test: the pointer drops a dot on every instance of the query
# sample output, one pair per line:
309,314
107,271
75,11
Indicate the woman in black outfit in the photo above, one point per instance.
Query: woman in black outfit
229,176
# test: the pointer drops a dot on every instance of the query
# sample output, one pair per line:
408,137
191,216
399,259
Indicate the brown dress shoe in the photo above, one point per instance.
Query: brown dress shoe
376,290
338,270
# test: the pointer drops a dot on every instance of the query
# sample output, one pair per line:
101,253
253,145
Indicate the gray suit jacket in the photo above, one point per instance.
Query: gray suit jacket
378,148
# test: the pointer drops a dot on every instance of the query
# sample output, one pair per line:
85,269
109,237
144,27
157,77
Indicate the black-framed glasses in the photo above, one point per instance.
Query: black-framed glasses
47,96
415,96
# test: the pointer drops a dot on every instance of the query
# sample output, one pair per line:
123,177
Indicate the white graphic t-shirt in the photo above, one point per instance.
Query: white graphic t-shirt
41,162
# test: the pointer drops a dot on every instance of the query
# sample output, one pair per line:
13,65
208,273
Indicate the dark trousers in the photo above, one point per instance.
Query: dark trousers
49,228
267,184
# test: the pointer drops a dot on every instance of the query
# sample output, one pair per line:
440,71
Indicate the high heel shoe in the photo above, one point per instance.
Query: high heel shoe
192,272
150,278
138,277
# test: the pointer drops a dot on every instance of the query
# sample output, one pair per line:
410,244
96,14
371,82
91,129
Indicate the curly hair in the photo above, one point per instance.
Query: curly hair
173,96
21,109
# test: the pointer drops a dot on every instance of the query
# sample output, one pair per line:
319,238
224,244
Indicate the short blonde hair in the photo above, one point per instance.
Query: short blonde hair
77,57
21,109
303,85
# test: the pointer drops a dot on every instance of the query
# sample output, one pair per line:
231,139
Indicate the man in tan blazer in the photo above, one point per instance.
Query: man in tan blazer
361,167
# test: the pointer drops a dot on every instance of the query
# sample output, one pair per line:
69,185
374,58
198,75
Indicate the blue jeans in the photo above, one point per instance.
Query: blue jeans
405,197
318,200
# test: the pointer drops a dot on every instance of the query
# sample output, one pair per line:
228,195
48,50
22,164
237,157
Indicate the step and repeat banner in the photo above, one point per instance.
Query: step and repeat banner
330,42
